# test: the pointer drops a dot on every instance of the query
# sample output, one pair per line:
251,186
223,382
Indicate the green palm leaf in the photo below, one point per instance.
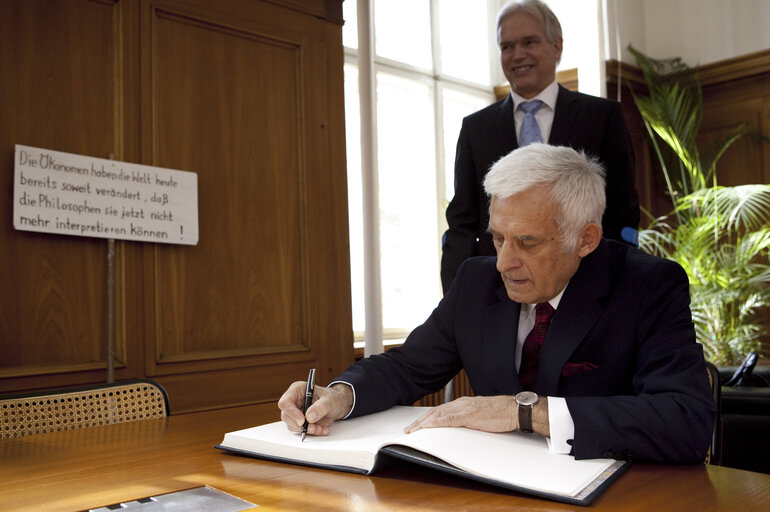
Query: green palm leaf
719,235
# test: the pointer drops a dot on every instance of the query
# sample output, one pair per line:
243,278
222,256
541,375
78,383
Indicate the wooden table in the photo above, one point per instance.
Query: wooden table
88,468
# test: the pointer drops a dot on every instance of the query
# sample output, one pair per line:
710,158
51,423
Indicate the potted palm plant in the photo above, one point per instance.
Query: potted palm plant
720,235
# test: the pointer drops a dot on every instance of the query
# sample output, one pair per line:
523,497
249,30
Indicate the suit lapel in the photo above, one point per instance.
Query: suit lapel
564,116
506,127
579,309
501,323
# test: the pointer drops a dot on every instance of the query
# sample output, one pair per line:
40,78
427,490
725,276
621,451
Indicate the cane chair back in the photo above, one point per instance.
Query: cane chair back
89,406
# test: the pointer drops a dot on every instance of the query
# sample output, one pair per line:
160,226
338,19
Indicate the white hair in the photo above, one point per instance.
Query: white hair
576,180
537,10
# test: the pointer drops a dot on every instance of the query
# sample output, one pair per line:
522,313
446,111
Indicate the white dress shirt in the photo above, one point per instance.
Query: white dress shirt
544,115
559,419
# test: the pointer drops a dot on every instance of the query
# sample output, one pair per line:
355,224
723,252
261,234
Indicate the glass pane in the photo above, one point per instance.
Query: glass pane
576,20
402,31
465,39
456,106
355,207
407,179
350,28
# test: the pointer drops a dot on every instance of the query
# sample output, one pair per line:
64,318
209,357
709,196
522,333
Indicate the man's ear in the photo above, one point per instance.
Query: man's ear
589,239
558,48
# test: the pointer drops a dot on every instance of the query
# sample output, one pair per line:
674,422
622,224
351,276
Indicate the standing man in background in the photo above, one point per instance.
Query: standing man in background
538,109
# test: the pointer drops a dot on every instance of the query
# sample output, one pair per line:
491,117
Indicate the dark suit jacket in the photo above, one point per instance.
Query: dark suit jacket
580,121
644,393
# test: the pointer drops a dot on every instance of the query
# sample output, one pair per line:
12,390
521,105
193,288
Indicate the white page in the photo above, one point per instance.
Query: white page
511,457
352,442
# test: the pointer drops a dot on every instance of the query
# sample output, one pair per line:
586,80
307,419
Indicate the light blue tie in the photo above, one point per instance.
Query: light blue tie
530,131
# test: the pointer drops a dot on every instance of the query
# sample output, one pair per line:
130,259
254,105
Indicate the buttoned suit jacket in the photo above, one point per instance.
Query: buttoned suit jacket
620,347
581,121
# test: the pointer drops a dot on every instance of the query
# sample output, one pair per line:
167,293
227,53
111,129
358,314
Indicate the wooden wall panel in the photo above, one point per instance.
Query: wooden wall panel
248,94
743,162
734,92
240,290
61,86
249,97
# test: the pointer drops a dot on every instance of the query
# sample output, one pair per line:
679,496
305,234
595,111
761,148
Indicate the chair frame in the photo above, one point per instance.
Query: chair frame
715,381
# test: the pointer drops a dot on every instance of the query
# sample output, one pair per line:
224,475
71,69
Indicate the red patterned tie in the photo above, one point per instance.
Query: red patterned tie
530,353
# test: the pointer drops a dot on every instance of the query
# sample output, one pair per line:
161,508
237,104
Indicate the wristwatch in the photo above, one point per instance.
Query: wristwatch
525,401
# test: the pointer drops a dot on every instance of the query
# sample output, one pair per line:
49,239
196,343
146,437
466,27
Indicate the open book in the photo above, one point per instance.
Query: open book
511,460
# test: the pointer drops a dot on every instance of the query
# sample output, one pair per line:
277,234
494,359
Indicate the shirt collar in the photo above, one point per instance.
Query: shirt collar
547,96
528,308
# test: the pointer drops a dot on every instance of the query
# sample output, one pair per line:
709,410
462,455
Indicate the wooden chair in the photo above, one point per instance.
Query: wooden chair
714,455
87,406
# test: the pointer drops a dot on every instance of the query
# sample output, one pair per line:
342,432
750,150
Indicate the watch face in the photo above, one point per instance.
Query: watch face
526,398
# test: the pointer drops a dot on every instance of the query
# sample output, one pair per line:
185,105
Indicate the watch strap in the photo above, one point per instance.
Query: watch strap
525,418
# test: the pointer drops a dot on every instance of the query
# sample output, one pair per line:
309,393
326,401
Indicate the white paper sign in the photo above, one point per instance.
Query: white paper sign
69,194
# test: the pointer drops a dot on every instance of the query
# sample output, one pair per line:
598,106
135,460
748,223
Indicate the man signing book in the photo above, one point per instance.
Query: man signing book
584,340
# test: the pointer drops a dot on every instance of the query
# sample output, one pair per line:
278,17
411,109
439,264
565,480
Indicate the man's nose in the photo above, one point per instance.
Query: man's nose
518,52
507,258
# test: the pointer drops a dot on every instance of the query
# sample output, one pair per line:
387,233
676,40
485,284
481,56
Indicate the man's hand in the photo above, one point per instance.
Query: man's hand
487,413
329,405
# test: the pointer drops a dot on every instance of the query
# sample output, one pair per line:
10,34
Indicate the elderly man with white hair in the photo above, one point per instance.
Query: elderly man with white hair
564,333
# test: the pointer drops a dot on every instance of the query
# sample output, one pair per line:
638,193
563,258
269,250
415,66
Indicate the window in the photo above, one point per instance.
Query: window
433,65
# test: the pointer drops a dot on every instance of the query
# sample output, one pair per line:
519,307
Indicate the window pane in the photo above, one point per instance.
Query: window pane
402,31
407,179
465,38
456,106
355,198
350,28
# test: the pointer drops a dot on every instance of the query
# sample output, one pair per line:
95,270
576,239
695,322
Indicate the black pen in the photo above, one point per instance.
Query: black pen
308,399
